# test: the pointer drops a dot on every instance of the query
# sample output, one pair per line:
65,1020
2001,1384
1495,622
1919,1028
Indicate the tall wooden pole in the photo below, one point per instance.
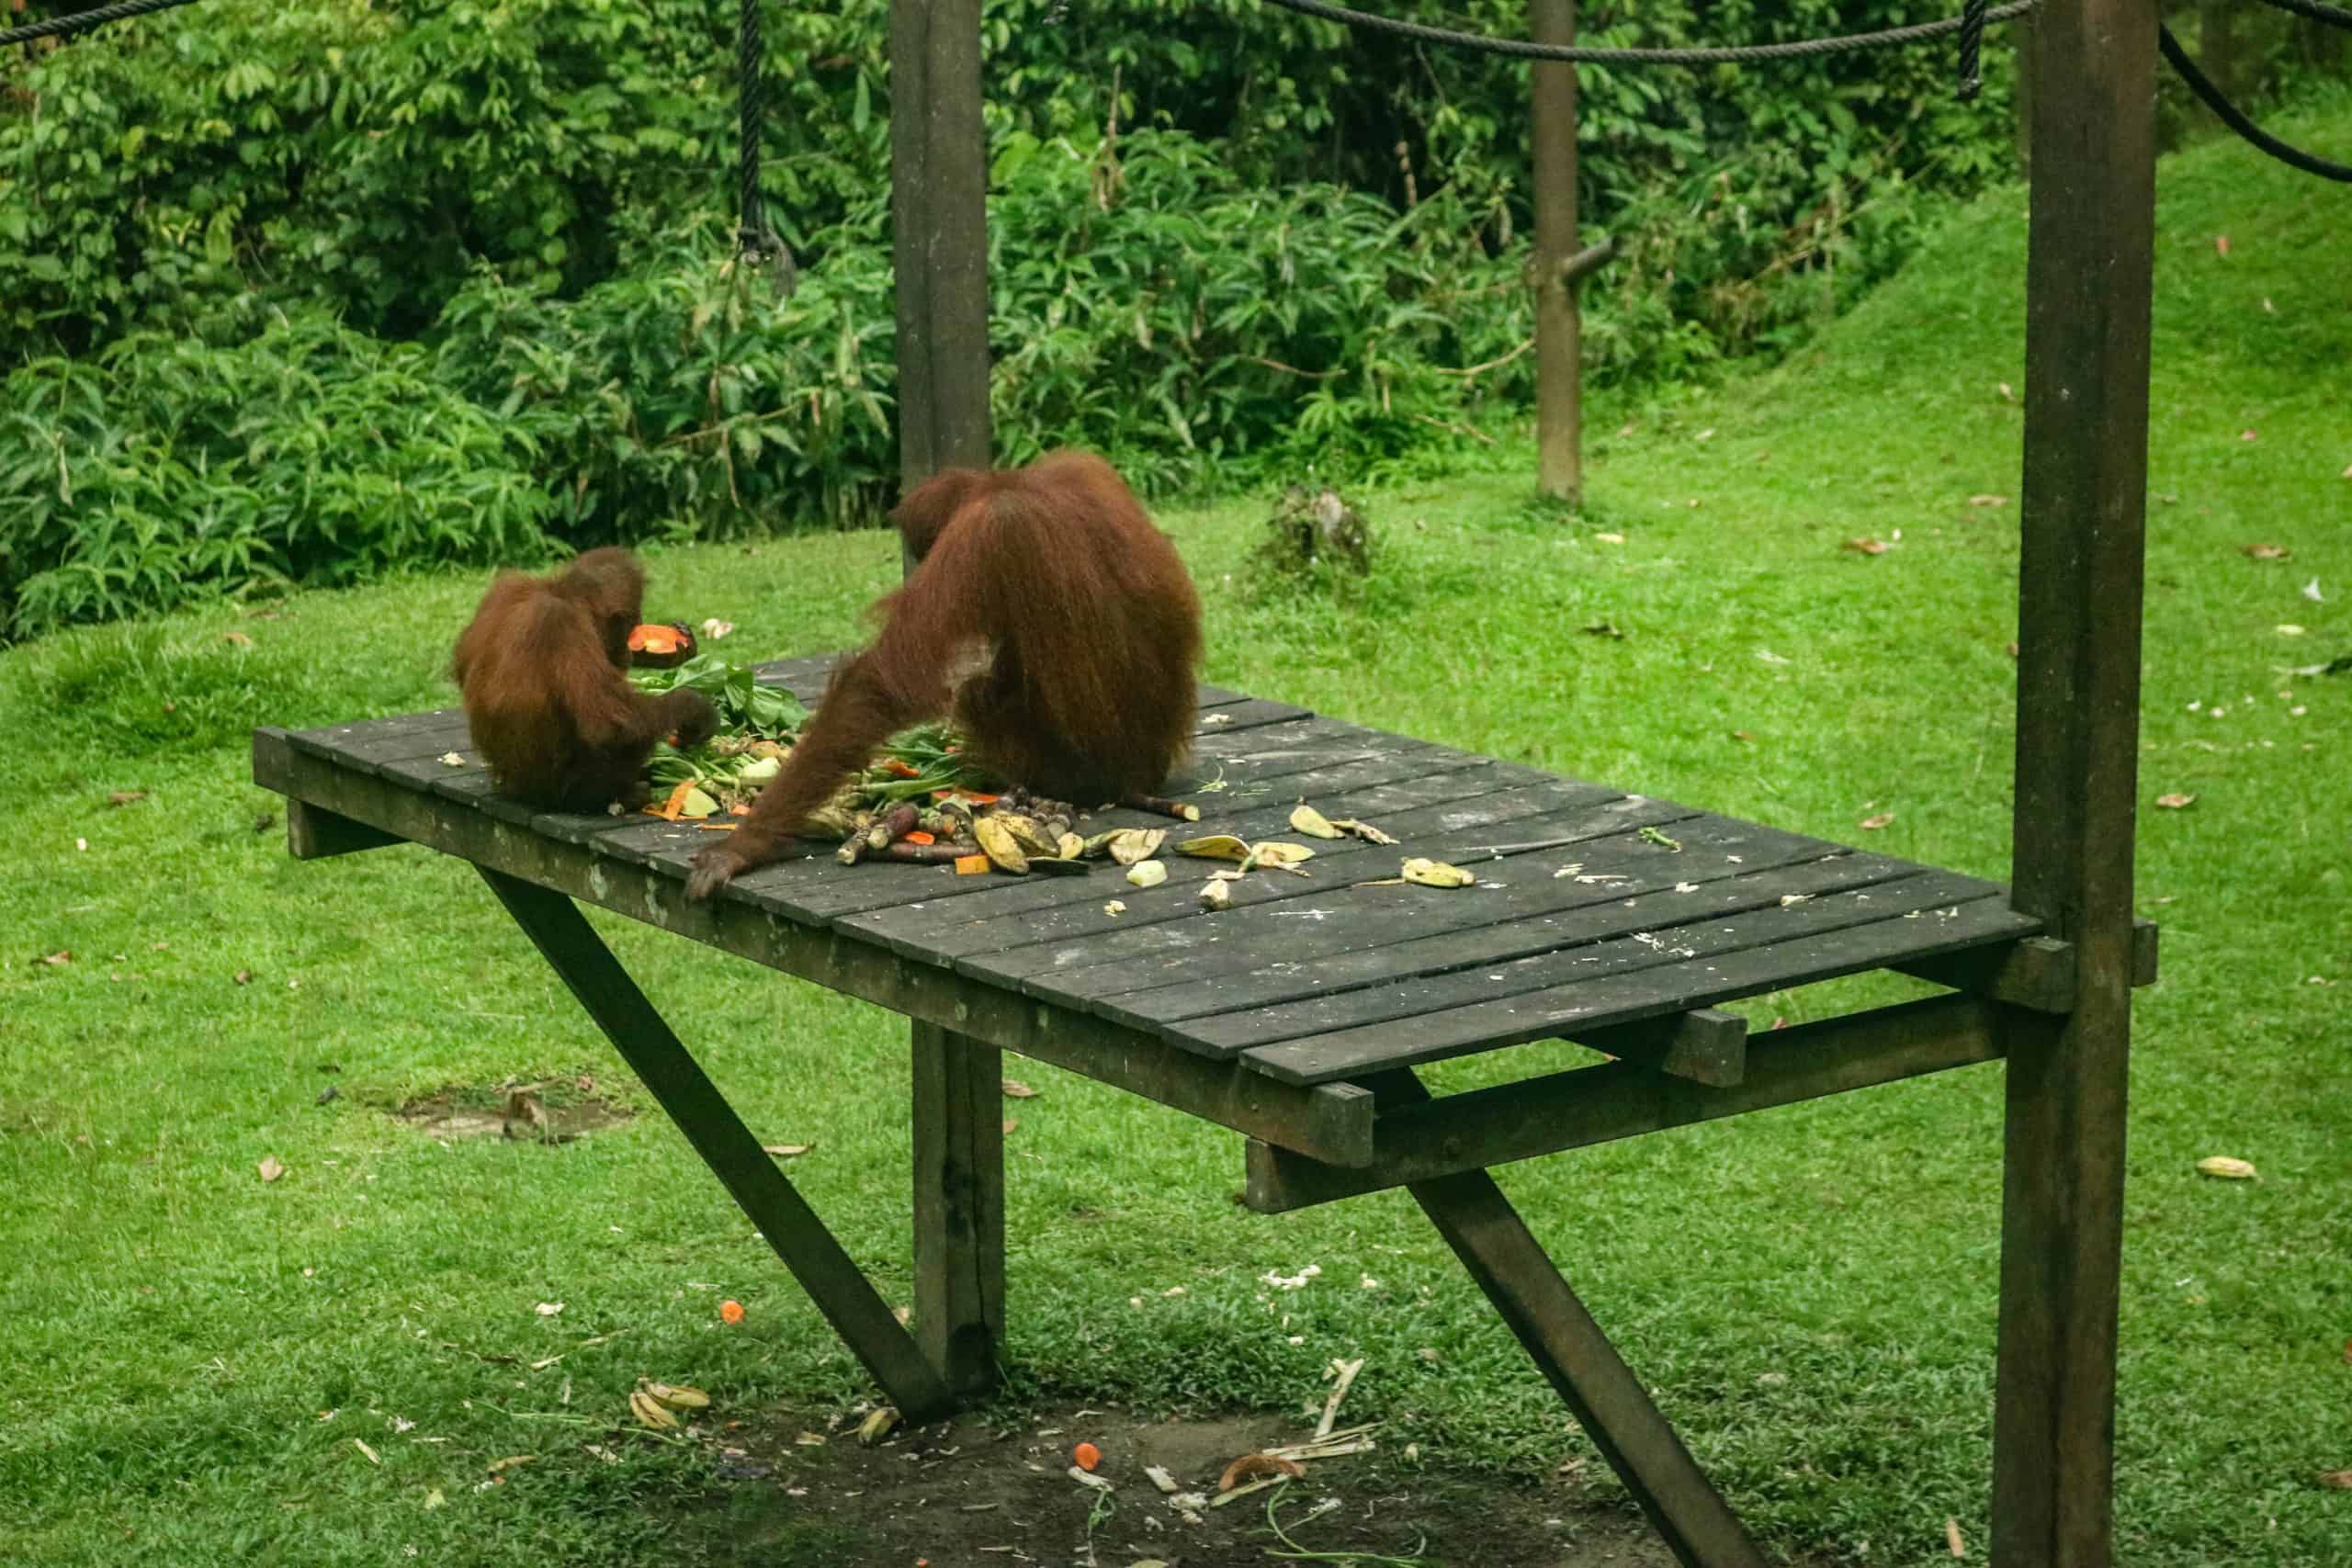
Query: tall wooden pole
939,242
1559,413
2090,255
940,254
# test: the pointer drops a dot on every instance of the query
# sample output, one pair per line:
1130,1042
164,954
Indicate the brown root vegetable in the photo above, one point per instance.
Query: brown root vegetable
1159,806
892,826
920,854
1257,1467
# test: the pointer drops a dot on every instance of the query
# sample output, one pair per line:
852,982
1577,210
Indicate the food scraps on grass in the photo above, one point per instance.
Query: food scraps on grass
2226,1167
650,1412
1259,1467
731,1312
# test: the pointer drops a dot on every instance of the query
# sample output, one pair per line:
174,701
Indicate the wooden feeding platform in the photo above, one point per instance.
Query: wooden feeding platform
1296,1016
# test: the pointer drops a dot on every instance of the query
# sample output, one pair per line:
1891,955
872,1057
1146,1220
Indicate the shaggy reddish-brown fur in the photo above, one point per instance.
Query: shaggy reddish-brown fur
542,667
1047,616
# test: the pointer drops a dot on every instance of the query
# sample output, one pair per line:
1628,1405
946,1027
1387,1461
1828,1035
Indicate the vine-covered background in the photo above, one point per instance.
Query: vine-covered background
297,294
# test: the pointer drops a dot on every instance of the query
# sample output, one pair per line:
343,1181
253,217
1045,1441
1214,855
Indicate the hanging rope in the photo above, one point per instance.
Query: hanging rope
65,26
2317,10
757,244
2231,115
1734,54
1972,41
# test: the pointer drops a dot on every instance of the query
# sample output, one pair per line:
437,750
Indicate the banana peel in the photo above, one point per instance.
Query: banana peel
1426,873
1004,852
677,1397
650,1412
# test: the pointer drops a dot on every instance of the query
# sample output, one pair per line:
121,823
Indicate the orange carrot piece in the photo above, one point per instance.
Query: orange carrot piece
670,808
900,766
920,837
971,865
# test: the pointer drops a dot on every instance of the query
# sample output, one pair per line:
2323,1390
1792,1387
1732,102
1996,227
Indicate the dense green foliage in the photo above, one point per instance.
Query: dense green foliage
488,238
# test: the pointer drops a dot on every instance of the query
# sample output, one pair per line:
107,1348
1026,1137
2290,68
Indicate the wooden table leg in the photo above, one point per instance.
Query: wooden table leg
1609,1401
831,1279
959,1207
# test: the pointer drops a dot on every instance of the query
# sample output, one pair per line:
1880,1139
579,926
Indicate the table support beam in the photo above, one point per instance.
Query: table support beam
847,1299
1607,1401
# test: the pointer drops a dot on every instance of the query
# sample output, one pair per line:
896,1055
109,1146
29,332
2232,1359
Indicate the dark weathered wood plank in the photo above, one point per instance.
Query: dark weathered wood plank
1159,920
1250,713
1614,997
1449,948
1333,1121
958,1207
370,743
782,1217
1584,1106
934,928
810,885
1521,885
1617,946
1607,1401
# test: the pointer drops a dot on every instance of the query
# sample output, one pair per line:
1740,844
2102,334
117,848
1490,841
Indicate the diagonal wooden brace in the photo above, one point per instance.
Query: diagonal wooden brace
1607,1401
832,1280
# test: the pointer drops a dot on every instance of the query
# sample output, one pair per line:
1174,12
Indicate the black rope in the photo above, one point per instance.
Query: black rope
756,242
2231,115
2317,10
65,26
1736,54
1971,41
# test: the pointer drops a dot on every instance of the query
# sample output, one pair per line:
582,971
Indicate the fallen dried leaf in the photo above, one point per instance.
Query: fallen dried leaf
1016,1089
269,1169
1009,1123
1872,824
512,1462
2247,435
1865,546
1951,1538
58,960
2226,1167
1743,735
2336,1480
2222,248
1609,539
237,638
1988,500
126,797
2267,552
2006,395
1603,629
2174,802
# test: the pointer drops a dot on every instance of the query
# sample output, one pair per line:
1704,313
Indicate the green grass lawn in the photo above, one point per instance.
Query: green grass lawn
1812,1291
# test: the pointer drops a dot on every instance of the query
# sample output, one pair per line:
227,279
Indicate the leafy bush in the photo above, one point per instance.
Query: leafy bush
165,468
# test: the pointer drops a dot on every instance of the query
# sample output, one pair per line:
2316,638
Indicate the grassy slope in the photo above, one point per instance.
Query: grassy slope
1813,1291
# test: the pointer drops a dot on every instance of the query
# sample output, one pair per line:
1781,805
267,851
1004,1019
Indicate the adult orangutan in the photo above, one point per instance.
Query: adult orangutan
1047,617
542,667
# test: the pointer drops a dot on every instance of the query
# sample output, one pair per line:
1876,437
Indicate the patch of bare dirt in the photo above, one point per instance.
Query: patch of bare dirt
545,1111
978,1490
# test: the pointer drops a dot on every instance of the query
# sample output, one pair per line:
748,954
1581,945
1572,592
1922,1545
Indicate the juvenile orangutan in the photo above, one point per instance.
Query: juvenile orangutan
551,709
1047,617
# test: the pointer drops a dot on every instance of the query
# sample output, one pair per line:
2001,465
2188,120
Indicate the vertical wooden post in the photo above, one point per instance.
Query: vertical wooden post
2021,32
939,241
939,256
2091,257
1559,413
959,1207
